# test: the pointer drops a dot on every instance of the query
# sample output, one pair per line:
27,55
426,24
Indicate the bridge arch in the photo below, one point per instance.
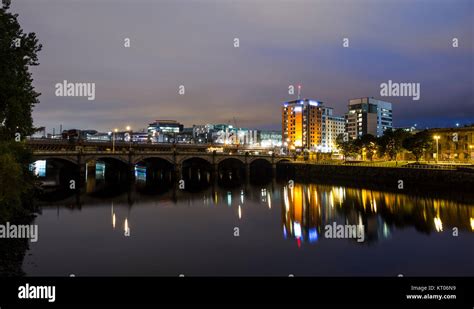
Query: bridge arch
154,174
257,158
197,172
224,158
143,158
260,160
184,159
55,175
106,157
70,159
282,160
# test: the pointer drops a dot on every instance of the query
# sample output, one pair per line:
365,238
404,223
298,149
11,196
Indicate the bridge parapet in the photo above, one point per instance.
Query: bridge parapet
174,157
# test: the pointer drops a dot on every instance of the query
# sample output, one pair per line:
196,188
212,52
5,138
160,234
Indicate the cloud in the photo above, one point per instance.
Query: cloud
281,43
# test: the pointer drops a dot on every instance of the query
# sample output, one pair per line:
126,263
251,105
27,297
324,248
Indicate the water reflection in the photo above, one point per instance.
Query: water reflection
308,208
176,230
305,208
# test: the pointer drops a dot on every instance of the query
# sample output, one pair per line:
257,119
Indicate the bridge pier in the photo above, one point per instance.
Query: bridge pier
178,172
214,171
274,170
131,172
247,174
81,167
90,152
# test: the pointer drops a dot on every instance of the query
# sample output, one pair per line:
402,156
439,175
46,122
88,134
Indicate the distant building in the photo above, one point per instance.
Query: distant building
184,137
302,124
332,126
202,133
230,135
100,136
164,131
368,116
454,144
270,138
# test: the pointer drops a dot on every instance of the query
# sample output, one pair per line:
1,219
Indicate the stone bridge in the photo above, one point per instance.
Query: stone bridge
132,154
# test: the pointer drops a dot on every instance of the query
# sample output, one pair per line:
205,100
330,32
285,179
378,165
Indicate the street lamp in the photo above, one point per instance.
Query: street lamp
437,137
129,137
113,140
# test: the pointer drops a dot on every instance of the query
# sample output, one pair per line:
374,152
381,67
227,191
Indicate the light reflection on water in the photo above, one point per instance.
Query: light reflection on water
282,230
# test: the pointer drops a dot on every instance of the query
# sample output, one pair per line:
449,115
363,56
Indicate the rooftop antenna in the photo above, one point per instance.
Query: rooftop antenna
299,91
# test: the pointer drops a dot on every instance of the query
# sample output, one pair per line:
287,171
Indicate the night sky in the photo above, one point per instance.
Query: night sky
281,43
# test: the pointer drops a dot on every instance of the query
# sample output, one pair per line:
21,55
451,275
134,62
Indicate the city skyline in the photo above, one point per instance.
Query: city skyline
173,44
232,143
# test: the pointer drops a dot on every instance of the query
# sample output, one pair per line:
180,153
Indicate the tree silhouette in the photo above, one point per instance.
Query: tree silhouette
18,51
418,144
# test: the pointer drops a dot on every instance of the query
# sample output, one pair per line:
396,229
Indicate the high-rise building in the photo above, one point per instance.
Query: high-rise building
368,116
332,126
302,124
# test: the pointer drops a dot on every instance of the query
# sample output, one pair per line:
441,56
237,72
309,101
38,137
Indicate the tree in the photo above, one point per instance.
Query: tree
418,143
369,143
18,51
343,145
391,142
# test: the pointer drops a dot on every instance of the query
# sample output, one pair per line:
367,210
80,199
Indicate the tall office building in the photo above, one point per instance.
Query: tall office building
368,116
302,124
332,126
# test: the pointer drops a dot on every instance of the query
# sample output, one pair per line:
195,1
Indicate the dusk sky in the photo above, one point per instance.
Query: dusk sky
281,43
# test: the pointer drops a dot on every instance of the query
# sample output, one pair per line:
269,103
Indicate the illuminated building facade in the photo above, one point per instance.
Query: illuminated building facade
368,116
230,135
164,131
302,124
332,126
454,144
270,139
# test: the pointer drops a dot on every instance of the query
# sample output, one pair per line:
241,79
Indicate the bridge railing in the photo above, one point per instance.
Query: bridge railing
44,143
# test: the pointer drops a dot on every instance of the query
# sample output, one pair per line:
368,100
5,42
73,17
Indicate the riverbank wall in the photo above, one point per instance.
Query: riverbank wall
393,178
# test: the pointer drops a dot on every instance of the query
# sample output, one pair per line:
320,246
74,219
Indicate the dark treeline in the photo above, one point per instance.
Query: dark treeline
18,52
389,145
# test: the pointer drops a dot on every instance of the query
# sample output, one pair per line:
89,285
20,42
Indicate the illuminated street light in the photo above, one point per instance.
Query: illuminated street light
437,137
129,131
113,140
471,147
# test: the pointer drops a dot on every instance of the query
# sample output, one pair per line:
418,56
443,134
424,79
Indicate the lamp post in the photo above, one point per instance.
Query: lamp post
437,137
129,138
113,140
